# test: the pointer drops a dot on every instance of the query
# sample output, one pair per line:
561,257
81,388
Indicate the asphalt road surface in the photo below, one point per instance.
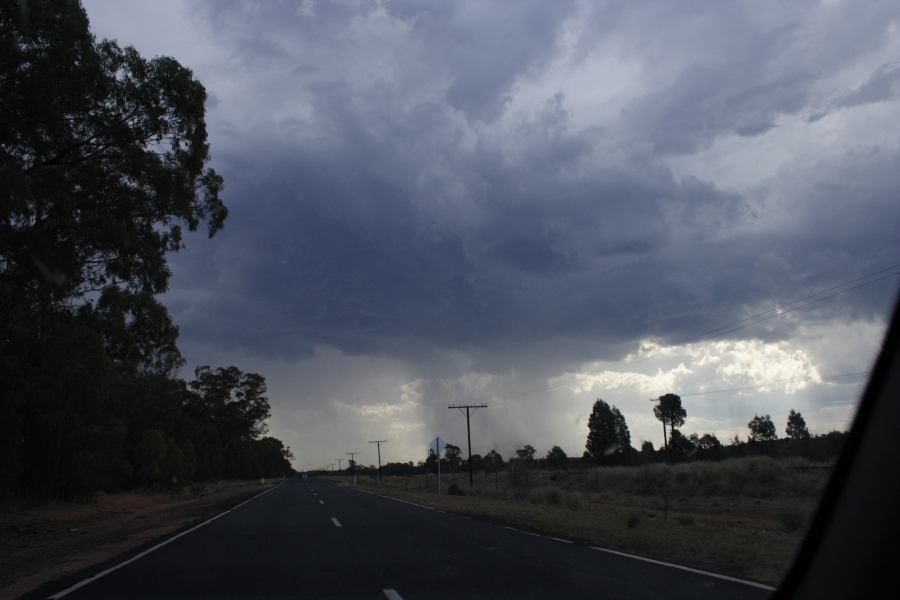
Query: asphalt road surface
308,538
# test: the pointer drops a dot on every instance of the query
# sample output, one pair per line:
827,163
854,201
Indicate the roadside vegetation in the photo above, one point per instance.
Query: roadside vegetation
743,517
104,168
739,508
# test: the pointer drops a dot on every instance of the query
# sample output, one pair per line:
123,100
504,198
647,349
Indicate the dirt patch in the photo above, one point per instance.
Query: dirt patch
42,544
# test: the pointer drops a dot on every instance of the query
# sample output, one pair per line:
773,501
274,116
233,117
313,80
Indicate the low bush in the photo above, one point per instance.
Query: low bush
455,490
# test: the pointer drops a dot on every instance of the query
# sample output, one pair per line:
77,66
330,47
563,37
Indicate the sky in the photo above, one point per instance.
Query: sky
534,205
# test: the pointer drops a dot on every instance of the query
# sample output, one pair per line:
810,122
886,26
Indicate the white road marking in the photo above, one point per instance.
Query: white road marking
761,586
392,594
523,531
321,502
335,521
411,503
105,572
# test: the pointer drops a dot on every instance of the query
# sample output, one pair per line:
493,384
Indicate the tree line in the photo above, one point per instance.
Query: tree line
609,443
103,160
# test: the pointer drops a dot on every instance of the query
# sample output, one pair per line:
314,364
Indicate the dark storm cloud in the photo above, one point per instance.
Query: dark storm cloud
404,203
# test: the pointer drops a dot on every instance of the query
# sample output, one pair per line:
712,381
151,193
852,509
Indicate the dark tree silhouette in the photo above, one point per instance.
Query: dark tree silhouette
493,461
526,453
669,410
453,456
762,429
557,458
608,436
104,158
796,426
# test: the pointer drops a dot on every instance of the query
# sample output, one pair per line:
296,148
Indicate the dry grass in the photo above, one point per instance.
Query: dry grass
741,517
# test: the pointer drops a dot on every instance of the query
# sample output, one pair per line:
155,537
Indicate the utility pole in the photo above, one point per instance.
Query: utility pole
339,463
469,408
353,462
379,443
437,447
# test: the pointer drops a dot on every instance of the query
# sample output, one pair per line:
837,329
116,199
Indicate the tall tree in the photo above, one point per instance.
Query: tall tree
796,426
103,155
103,160
669,410
623,435
526,453
453,456
235,401
762,429
608,436
493,461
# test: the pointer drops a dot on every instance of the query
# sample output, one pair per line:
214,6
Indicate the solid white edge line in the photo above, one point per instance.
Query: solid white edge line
411,503
392,594
105,572
336,522
761,586
408,502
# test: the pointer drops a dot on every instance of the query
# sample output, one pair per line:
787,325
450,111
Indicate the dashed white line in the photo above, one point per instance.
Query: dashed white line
761,586
105,572
392,594
321,502
335,521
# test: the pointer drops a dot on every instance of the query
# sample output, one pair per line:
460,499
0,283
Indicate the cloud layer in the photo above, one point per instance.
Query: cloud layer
486,191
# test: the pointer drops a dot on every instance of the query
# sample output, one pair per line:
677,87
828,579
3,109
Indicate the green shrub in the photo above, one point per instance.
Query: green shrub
685,520
632,520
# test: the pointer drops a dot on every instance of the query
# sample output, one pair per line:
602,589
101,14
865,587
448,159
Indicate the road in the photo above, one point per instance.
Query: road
309,538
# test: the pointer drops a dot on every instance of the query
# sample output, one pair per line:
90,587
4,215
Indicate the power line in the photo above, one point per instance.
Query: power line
756,387
779,310
796,300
